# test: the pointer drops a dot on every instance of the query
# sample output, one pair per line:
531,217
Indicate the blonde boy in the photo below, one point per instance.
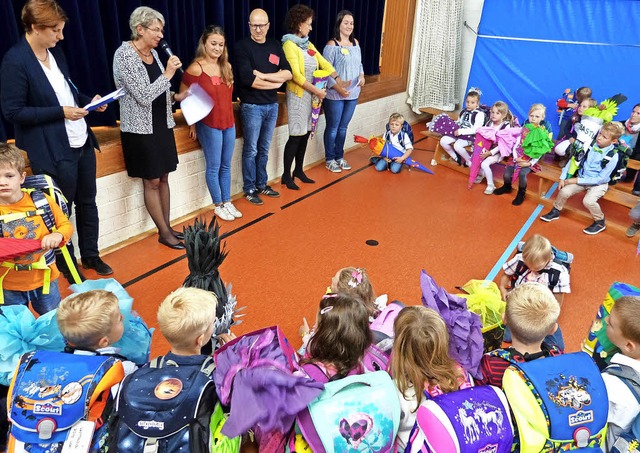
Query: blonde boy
398,139
532,314
591,176
186,318
623,330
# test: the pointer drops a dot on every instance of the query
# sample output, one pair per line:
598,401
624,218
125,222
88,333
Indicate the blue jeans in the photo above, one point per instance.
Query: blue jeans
337,115
217,146
383,165
258,124
41,303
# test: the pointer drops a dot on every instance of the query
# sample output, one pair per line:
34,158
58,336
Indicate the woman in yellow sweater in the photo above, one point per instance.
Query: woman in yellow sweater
304,59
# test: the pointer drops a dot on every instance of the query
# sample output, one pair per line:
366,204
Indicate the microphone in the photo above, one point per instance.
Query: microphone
164,45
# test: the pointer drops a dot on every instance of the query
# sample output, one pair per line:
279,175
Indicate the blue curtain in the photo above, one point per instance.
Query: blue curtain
530,51
97,27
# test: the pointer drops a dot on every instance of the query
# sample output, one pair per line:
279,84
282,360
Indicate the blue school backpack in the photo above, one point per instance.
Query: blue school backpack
356,413
559,403
406,129
163,407
628,441
58,400
472,419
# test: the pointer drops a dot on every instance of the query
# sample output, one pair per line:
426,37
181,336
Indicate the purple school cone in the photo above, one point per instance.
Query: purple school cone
390,152
480,144
320,78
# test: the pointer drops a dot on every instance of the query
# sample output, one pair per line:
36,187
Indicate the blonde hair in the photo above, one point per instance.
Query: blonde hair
185,314
85,318
627,310
145,17
420,353
223,59
11,156
531,313
541,107
355,282
615,128
537,251
396,117
503,108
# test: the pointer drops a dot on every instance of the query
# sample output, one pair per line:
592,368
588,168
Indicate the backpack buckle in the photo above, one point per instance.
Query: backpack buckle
45,428
23,267
151,445
581,437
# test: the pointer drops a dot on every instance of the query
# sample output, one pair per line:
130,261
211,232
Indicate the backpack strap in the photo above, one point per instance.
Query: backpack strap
41,264
208,366
521,268
627,375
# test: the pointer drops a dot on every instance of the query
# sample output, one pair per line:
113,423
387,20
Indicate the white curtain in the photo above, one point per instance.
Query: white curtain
435,54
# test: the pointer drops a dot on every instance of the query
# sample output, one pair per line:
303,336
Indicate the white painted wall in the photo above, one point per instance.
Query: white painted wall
120,199
471,14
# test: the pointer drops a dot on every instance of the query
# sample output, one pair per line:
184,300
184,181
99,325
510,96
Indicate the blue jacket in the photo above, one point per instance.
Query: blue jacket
29,102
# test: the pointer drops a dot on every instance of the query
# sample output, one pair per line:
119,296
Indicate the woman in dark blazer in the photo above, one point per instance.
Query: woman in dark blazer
39,98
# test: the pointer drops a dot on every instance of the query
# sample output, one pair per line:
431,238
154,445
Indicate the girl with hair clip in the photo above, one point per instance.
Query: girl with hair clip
354,281
217,131
421,365
339,339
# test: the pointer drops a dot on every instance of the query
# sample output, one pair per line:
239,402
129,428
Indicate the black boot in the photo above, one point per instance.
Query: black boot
289,155
517,201
504,189
300,152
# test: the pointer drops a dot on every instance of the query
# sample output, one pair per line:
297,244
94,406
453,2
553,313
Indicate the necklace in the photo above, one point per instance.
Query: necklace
146,55
42,60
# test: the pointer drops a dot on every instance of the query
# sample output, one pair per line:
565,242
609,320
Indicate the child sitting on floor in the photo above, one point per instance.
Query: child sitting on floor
592,175
471,118
400,140
354,281
32,277
338,342
531,315
534,142
420,362
623,332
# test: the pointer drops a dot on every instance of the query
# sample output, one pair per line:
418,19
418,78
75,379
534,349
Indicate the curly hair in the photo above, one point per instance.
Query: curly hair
342,334
420,355
296,15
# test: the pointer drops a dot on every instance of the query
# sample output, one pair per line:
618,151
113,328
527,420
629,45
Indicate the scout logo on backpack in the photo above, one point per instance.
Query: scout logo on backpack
166,407
559,403
471,419
356,413
55,395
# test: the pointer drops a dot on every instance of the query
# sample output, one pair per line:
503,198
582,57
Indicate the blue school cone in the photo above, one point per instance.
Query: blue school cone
390,152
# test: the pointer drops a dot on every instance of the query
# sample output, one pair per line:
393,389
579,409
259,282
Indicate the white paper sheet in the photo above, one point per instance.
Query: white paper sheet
197,105
105,99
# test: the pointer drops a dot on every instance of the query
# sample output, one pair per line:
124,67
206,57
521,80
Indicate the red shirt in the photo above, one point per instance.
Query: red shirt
221,116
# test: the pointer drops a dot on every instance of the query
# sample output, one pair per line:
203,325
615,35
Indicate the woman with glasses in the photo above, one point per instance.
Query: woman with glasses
304,58
46,110
146,121
217,131
343,52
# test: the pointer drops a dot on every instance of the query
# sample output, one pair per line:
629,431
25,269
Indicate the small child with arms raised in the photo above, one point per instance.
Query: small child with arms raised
470,120
34,276
592,175
531,315
399,140
420,362
91,322
533,143
339,340
623,331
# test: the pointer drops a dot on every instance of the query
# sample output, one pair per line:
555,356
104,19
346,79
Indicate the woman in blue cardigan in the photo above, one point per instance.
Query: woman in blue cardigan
39,98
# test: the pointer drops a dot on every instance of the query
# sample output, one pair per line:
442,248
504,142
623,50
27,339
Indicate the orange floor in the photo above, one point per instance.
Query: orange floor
283,254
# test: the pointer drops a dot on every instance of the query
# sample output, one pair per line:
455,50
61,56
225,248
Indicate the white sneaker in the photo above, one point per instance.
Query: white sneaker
231,209
489,190
222,213
333,166
343,164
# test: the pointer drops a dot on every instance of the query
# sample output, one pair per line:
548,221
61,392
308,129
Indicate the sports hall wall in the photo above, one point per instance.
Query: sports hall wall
530,51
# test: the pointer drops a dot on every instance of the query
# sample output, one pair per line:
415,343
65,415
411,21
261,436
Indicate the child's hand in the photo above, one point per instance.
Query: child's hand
304,328
522,162
52,241
456,132
400,159
503,292
485,154
225,338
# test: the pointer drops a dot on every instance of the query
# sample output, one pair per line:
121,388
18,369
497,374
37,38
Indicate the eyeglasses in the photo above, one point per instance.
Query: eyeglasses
155,30
258,26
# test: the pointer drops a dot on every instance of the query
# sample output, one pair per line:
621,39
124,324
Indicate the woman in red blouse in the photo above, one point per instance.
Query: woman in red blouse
217,131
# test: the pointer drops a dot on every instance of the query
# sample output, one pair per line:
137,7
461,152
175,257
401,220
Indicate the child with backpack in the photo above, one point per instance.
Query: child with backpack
568,134
169,402
533,143
622,377
420,364
471,119
531,315
399,135
32,277
593,175
536,264
337,345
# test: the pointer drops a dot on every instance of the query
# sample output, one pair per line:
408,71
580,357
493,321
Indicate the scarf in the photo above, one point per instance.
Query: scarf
303,43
